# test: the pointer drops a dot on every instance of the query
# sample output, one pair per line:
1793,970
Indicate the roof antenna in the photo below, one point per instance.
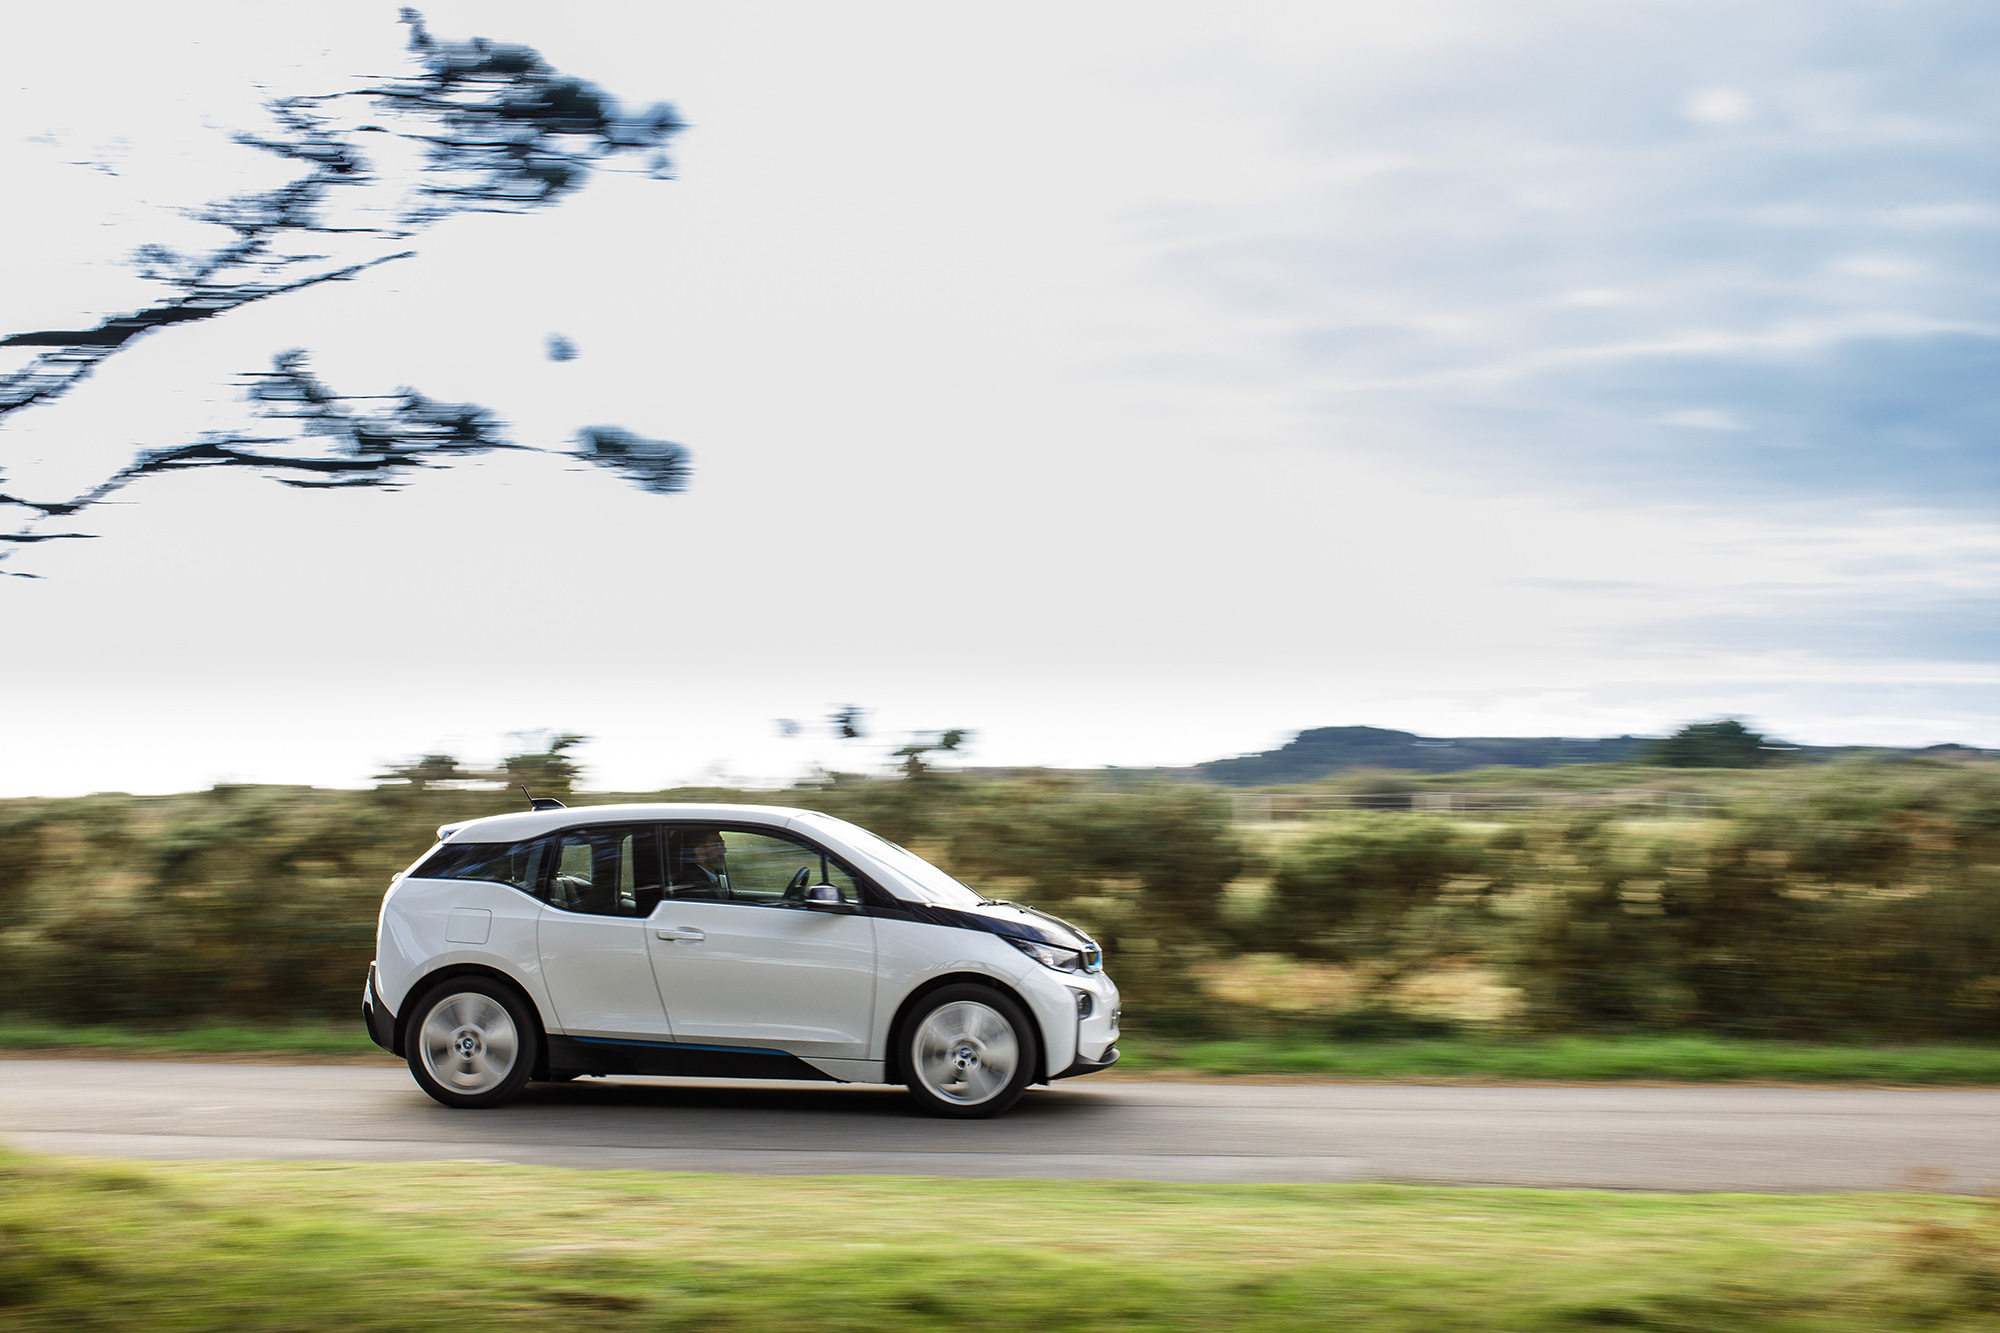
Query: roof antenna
540,802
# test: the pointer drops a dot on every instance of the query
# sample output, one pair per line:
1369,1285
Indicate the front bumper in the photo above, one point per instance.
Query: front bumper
1083,1066
380,1022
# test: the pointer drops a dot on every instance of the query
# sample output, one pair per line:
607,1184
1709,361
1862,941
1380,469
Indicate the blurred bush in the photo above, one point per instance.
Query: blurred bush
1386,897
1860,902
255,902
1851,900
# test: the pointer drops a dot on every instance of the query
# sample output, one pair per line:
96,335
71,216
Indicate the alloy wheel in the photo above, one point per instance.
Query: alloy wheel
966,1052
469,1042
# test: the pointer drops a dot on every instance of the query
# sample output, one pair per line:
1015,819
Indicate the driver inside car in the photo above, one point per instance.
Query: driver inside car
701,869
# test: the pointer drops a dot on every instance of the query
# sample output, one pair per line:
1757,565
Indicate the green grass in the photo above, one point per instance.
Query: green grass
1697,1059
320,1039
1693,1059
456,1246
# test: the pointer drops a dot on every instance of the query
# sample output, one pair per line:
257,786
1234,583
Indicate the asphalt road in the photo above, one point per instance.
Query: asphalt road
1681,1138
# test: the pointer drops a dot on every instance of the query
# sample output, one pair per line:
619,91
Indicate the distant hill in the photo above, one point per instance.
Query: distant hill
1323,750
1326,750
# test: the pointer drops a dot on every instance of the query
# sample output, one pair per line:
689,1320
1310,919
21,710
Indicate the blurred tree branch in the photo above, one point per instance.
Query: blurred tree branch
912,753
546,771
495,130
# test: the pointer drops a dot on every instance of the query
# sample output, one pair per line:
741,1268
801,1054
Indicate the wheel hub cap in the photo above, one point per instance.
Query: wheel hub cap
468,1043
965,1052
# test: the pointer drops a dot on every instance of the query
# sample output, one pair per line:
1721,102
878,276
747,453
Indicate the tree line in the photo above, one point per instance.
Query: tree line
1856,900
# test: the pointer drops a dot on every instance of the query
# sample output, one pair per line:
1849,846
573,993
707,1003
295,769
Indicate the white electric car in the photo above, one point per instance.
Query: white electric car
733,941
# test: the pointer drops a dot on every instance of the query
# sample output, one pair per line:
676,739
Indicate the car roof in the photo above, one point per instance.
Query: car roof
533,823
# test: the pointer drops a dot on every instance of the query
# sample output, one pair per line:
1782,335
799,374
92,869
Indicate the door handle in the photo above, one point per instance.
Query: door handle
682,935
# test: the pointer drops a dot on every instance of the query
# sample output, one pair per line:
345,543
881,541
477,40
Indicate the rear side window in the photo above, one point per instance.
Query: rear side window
515,864
608,870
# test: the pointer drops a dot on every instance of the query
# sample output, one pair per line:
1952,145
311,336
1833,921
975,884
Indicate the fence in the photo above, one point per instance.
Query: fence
1262,807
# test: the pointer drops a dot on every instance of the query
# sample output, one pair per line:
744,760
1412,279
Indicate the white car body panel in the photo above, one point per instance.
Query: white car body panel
803,982
411,943
910,953
824,987
599,972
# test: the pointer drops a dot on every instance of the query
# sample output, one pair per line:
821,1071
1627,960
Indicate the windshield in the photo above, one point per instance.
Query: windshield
935,886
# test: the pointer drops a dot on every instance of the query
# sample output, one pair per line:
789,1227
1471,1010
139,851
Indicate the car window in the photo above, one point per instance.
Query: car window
517,864
738,865
609,870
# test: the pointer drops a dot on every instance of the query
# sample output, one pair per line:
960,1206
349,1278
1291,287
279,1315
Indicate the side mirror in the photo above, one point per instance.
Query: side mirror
826,898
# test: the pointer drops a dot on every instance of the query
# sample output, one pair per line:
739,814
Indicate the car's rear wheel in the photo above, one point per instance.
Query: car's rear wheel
471,1042
968,1051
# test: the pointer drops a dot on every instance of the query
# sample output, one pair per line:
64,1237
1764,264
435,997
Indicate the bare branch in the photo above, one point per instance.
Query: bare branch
80,351
502,132
337,442
499,130
660,466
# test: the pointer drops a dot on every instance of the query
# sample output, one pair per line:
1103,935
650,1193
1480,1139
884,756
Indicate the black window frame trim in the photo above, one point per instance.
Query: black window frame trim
876,901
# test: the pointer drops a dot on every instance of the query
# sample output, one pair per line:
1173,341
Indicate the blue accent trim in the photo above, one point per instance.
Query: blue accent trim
679,1046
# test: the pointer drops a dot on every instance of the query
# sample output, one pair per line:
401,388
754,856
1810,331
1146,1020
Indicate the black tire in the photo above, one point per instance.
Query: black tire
472,1042
968,1051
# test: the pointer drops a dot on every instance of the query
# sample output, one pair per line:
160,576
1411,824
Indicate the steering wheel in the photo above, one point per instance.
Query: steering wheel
795,892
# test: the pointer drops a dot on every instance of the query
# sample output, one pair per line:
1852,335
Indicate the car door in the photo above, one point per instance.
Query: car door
741,961
593,932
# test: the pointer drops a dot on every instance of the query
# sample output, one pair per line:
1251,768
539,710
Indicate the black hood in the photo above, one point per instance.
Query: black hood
1005,918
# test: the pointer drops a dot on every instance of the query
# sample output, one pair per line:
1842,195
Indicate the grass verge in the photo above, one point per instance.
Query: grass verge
1694,1059
324,1040
380,1247
1691,1059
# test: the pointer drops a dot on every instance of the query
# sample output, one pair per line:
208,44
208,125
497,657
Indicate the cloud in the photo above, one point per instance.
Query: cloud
1938,629
1561,271
1718,106
1702,418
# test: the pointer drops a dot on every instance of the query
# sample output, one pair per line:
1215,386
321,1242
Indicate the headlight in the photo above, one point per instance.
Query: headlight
1051,956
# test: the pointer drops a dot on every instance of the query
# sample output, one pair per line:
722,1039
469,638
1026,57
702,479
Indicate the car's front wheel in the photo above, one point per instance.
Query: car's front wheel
968,1051
471,1042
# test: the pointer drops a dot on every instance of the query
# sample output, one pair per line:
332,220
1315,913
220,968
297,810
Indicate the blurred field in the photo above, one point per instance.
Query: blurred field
125,1246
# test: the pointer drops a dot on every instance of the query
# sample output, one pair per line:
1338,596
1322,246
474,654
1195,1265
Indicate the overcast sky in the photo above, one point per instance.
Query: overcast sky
1131,383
